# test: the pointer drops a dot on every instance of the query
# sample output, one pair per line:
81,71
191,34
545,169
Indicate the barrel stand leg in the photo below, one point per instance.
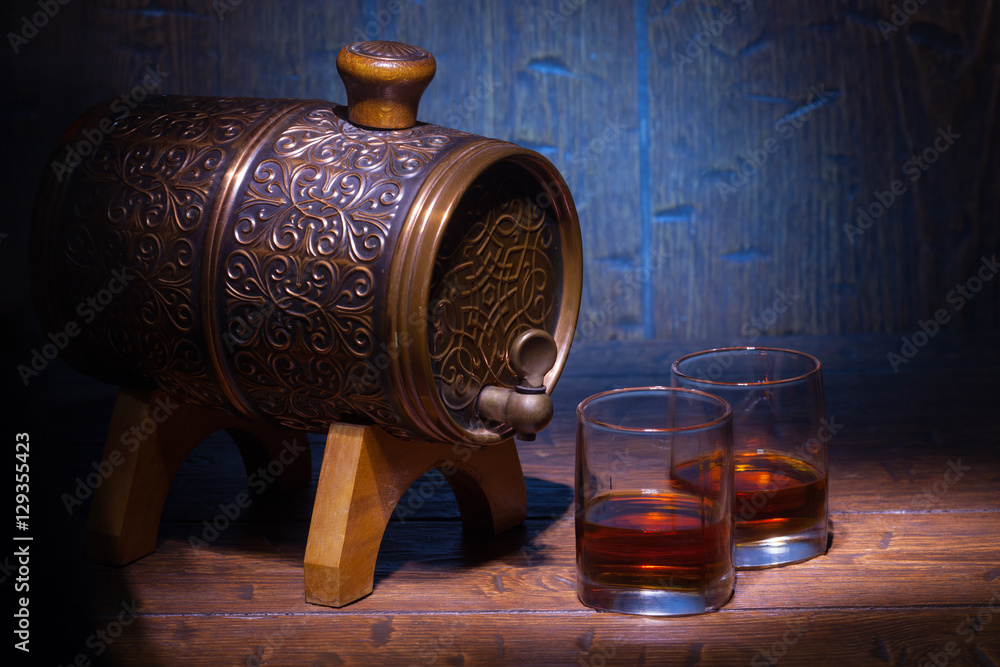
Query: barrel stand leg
149,438
364,474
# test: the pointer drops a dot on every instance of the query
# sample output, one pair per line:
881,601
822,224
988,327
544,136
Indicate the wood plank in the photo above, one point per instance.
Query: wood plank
809,102
796,638
875,560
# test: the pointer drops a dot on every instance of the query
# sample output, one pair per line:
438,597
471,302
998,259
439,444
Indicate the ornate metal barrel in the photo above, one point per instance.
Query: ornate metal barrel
288,262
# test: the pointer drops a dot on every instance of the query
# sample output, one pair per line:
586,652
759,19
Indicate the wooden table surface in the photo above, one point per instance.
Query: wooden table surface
912,576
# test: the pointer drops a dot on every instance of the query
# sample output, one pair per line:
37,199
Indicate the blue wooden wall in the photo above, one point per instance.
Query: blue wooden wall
740,167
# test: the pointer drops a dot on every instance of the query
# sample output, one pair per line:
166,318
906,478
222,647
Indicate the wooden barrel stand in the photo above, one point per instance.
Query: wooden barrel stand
365,472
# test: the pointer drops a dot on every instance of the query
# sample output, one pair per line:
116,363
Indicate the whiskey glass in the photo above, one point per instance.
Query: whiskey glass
654,470
780,435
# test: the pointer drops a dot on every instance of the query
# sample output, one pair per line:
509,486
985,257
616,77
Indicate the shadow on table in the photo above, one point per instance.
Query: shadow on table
436,537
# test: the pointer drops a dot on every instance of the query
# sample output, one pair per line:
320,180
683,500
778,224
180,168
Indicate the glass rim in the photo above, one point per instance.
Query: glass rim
815,370
726,415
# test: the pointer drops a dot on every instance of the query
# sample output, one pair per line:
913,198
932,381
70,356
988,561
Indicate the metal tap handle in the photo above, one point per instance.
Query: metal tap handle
526,408
384,82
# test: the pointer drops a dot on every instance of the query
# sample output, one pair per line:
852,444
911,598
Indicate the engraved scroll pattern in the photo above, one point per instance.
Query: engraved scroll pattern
492,281
300,282
141,210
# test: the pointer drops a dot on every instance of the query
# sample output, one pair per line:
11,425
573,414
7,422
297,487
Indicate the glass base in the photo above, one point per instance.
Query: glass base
656,602
783,550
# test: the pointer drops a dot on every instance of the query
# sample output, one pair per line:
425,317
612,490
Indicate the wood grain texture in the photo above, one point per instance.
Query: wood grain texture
425,565
821,111
798,638
365,473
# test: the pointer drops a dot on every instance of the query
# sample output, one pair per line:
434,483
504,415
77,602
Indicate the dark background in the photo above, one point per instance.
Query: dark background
649,109
648,126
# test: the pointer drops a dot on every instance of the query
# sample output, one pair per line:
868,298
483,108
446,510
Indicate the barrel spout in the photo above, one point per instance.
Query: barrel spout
527,407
